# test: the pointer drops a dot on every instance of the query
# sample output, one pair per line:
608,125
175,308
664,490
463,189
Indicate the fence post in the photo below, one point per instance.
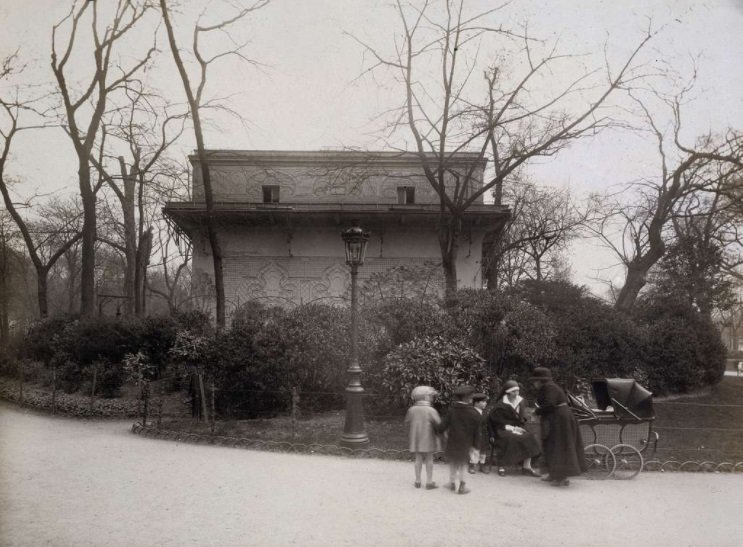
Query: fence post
20,380
146,399
295,409
54,388
213,417
92,389
160,407
205,414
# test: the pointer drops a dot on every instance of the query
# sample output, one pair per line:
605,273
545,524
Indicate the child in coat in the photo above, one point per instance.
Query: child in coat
479,453
422,420
462,423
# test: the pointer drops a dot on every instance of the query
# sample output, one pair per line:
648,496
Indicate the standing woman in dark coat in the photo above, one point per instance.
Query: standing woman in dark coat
506,421
562,445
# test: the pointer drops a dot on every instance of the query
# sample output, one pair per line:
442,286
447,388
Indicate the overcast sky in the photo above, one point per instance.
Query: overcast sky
308,96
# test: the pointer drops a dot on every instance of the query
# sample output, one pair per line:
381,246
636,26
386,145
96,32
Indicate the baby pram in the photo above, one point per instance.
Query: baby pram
619,431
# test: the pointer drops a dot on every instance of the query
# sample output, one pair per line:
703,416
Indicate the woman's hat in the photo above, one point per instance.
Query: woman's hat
541,373
510,385
421,392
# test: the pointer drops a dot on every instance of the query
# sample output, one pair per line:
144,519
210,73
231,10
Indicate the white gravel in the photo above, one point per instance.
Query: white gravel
65,482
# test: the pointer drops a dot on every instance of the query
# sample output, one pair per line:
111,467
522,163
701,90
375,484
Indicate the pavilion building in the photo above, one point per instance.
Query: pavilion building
280,215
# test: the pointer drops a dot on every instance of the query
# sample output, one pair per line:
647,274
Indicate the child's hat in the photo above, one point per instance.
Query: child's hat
463,391
420,392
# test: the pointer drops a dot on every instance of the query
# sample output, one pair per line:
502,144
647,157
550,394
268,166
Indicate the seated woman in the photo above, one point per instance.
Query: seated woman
515,444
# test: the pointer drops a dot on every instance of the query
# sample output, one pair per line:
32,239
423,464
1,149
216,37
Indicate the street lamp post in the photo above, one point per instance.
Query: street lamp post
354,432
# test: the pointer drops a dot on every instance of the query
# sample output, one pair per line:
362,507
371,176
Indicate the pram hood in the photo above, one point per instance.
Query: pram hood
628,398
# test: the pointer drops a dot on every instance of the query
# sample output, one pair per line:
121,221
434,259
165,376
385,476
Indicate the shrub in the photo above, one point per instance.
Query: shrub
591,339
74,344
513,336
40,342
684,350
249,381
433,361
155,338
404,319
315,341
7,363
110,379
68,373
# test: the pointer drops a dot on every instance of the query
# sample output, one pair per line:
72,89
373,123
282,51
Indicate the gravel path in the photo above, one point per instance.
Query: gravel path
66,482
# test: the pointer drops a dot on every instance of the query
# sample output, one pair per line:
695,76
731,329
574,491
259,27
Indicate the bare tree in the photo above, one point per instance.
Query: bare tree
12,273
542,223
83,111
11,109
503,120
147,128
195,98
57,220
692,266
171,281
174,273
684,173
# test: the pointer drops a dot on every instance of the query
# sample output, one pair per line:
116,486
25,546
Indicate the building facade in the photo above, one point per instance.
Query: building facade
280,216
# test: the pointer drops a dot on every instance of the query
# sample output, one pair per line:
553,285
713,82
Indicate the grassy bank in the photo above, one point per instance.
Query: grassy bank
703,427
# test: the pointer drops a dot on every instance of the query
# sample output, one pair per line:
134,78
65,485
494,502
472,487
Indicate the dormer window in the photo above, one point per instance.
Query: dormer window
271,194
405,195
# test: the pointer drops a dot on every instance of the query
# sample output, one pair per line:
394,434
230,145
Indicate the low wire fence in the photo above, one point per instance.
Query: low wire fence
311,422
193,409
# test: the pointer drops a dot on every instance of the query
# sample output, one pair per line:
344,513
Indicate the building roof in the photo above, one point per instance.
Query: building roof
326,157
191,216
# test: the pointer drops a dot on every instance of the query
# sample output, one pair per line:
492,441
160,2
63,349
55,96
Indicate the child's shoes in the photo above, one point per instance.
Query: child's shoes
417,484
431,486
463,489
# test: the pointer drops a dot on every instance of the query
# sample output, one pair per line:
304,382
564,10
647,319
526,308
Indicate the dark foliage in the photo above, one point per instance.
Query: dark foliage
40,342
512,336
684,350
435,361
591,339
75,346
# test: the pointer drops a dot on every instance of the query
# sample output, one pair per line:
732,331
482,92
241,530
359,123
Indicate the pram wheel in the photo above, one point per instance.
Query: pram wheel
600,461
629,461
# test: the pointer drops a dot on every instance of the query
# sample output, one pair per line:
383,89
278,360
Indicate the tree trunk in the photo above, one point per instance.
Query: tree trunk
4,296
130,237
638,268
87,270
492,254
636,279
71,280
490,260
41,291
194,107
141,262
211,229
449,229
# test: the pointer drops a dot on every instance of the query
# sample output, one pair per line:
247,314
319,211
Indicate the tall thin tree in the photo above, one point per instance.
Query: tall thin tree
195,97
82,111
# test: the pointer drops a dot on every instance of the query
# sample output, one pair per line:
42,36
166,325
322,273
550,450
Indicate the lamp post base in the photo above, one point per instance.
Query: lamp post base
354,431
354,442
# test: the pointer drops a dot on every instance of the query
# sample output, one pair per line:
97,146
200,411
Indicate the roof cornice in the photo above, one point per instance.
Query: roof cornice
340,158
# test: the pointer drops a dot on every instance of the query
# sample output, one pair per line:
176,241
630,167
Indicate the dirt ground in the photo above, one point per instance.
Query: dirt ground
66,482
